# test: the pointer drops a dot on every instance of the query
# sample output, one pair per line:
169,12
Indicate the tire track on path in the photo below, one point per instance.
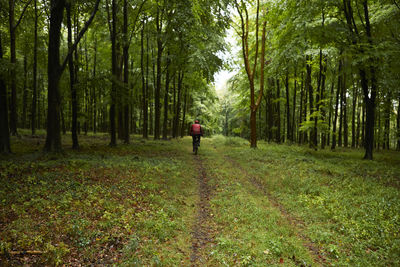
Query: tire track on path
203,233
296,223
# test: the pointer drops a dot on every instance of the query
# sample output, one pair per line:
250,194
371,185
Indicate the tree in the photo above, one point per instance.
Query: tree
4,127
244,34
55,70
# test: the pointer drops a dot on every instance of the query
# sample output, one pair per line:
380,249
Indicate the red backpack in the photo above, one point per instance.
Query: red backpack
196,129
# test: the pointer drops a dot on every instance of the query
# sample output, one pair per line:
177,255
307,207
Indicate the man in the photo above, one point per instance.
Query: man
196,131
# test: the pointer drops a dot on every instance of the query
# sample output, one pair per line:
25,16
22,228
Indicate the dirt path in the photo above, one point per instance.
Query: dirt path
295,222
202,234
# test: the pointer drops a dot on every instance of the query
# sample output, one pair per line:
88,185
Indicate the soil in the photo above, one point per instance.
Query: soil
202,233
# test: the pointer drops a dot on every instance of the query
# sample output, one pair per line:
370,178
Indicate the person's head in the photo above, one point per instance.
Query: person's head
196,121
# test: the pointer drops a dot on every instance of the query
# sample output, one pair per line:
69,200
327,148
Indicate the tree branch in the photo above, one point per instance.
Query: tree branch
80,35
22,14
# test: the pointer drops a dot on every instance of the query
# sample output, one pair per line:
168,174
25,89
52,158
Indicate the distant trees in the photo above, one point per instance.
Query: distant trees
339,61
148,75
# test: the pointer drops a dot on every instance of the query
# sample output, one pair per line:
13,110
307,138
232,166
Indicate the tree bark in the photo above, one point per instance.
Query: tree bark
345,120
5,147
309,89
183,127
73,82
94,86
178,105
34,85
144,91
293,132
53,138
114,66
398,124
337,105
158,80
353,117
55,69
166,98
278,112
126,74
288,131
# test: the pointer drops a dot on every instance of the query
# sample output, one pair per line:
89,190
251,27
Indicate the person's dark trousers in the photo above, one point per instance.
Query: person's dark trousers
196,137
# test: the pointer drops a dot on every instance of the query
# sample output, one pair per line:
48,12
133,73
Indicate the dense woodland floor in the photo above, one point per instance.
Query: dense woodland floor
154,203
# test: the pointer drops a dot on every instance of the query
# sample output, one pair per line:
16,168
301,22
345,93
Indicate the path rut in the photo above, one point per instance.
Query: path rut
202,233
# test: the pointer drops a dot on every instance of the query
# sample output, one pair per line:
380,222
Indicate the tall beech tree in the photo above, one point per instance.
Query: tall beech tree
244,35
55,70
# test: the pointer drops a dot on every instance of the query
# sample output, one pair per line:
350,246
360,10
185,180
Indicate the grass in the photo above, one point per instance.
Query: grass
137,204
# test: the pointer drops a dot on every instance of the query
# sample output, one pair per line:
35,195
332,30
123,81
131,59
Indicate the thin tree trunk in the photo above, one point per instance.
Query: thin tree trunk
330,112
13,61
309,89
126,74
288,131
34,86
300,134
73,82
353,117
345,121
114,66
178,105
144,91
293,132
278,112
4,127
94,86
388,109
158,80
322,97
340,141
183,127
25,95
166,97
337,105
398,124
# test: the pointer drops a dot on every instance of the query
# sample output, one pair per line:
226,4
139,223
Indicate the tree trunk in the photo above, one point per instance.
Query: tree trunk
34,86
345,122
293,133
288,130
166,97
322,97
340,141
53,138
158,82
183,127
278,112
337,105
300,134
330,112
178,105
144,91
73,82
309,89
94,86
398,124
4,127
114,66
353,117
13,61
388,109
126,74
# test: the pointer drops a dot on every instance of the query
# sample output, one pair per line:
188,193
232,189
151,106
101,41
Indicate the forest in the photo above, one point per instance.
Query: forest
298,165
